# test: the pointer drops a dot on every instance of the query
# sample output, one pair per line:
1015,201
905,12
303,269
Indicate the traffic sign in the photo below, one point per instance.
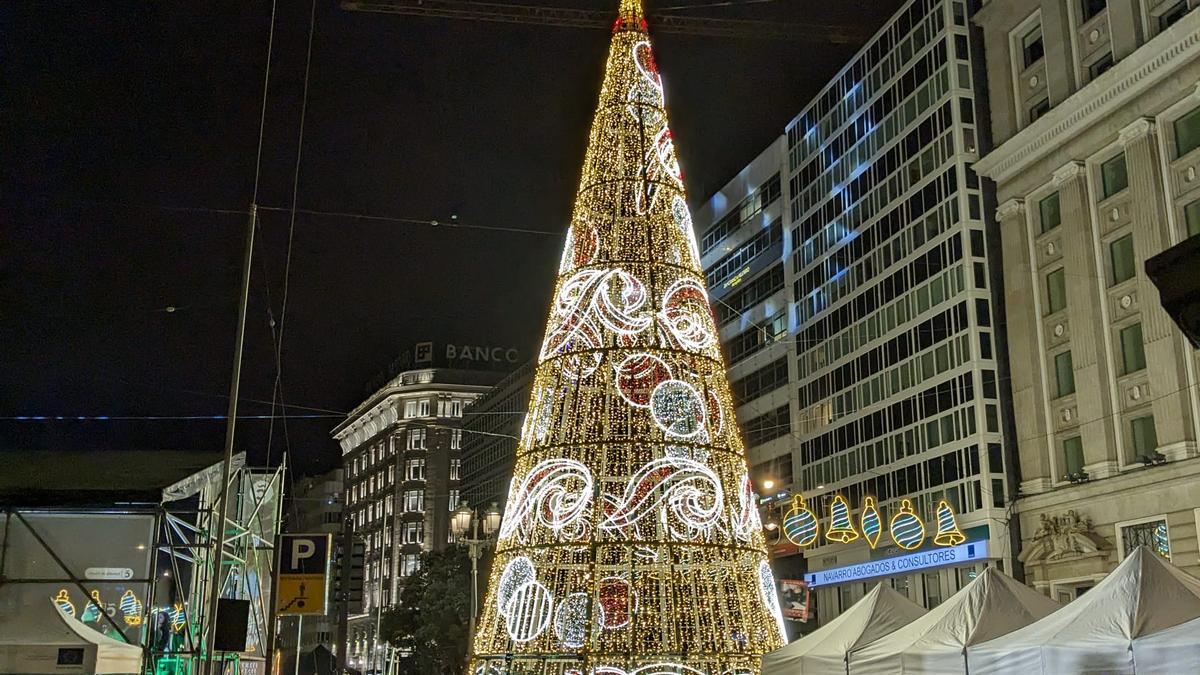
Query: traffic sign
303,578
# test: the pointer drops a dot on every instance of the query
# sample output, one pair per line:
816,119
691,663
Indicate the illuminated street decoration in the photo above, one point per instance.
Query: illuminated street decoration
906,527
800,524
91,612
177,616
948,533
870,522
631,542
131,607
841,528
63,600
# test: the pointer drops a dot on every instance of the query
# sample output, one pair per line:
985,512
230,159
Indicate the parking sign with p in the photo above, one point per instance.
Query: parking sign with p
303,577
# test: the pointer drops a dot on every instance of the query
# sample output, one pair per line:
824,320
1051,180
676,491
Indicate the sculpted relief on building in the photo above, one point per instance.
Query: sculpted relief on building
1061,537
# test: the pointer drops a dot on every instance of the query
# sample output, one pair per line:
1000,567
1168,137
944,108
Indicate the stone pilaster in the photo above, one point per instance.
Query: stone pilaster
1093,372
1025,362
1056,36
1125,27
1165,352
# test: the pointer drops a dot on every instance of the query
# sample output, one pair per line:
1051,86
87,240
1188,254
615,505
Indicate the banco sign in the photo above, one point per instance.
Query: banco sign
473,353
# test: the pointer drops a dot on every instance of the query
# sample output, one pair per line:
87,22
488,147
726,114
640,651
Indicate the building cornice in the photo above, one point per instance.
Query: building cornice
1139,128
1126,81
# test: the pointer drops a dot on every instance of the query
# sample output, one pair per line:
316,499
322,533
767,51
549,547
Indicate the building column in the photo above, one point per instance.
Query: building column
1093,372
1125,27
1029,405
1056,40
1166,353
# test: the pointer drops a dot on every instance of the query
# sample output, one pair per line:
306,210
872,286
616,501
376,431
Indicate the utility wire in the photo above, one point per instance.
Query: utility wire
277,390
122,418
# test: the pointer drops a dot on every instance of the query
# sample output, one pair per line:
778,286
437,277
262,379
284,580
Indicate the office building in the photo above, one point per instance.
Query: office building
1096,118
887,315
402,458
491,428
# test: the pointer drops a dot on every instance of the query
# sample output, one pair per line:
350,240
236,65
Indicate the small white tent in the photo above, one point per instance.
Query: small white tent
1096,633
992,605
823,652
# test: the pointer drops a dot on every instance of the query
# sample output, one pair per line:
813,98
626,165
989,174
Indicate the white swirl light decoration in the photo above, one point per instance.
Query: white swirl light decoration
588,303
555,493
766,586
683,220
688,489
687,315
664,152
652,669
745,519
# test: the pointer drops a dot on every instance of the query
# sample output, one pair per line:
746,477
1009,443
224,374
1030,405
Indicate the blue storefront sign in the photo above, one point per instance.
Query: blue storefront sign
938,557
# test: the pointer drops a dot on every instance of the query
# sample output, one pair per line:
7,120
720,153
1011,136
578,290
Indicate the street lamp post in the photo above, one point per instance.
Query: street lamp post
465,518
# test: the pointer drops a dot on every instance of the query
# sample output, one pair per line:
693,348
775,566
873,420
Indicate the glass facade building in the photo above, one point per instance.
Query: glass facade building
890,279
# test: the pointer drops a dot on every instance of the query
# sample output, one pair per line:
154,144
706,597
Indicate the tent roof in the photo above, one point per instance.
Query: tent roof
992,605
881,611
1143,595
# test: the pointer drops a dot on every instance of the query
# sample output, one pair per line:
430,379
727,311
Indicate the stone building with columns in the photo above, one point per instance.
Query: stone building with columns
1095,114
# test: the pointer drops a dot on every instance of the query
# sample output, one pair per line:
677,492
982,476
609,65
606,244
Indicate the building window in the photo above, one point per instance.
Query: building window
1051,216
391,475
456,408
1172,14
1056,290
1064,372
409,564
1145,437
456,439
1100,66
1032,48
933,590
414,501
1073,455
410,408
423,408
1121,254
1152,534
455,498
416,439
387,503
455,468
414,469
414,533
1191,217
1114,176
1038,109
1090,8
1187,133
1133,352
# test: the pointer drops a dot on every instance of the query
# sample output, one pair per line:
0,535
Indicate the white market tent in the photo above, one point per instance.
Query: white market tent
823,652
1098,632
32,637
1174,650
992,605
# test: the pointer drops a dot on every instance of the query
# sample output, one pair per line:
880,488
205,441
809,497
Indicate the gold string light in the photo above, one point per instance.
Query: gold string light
631,541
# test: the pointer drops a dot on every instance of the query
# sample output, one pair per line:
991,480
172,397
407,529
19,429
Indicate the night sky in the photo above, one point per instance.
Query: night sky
129,134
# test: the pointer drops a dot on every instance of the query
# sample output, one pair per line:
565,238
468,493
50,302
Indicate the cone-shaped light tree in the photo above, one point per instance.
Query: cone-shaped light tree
631,541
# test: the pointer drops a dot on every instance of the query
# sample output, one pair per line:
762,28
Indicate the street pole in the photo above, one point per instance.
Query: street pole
218,556
299,635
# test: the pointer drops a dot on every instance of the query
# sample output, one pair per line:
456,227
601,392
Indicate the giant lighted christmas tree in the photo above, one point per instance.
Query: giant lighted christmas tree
631,541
